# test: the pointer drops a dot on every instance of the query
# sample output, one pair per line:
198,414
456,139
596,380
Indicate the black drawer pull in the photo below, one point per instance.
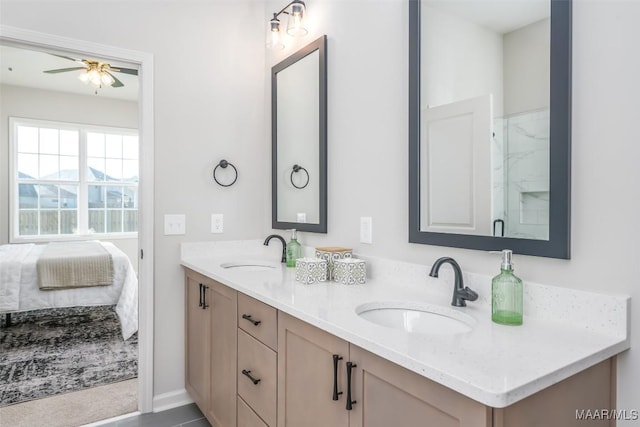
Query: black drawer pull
250,319
200,302
204,297
335,376
350,402
246,373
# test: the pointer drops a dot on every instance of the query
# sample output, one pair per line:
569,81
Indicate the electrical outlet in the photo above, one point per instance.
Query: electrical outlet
217,223
366,229
174,224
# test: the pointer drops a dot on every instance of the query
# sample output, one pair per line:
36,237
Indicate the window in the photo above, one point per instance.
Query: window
72,180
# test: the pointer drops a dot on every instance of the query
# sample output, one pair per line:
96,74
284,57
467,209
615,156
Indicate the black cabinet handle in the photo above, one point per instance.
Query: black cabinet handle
350,402
204,297
335,376
200,302
248,317
247,374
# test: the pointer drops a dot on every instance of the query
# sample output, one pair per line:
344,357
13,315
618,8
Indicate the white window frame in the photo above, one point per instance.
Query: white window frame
82,202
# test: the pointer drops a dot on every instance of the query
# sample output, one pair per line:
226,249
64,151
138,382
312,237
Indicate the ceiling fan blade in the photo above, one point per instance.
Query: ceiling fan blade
67,57
63,70
131,71
116,82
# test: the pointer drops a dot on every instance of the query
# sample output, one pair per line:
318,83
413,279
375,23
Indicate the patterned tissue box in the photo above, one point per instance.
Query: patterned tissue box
311,270
350,271
331,254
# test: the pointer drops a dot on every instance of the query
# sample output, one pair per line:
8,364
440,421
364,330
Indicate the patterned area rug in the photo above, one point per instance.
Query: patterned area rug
54,351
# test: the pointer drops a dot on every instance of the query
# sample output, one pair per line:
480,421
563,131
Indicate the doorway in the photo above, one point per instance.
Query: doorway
142,249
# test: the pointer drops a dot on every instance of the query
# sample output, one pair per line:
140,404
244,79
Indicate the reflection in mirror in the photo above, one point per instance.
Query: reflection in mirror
299,140
485,118
489,136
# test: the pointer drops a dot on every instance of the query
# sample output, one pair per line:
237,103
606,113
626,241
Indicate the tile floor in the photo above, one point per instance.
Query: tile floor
183,416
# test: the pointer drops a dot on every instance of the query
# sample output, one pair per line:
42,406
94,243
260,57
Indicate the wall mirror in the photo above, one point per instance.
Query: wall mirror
490,125
299,140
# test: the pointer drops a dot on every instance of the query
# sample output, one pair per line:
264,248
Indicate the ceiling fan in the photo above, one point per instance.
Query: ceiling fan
95,72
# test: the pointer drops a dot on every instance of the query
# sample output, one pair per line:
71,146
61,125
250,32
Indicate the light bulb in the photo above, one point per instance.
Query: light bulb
106,79
295,24
84,77
274,35
94,77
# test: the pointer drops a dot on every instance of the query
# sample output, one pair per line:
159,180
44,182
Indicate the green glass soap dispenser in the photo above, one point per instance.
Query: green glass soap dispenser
506,294
294,250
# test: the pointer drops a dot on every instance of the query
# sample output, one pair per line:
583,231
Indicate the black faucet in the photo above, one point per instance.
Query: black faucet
284,245
460,294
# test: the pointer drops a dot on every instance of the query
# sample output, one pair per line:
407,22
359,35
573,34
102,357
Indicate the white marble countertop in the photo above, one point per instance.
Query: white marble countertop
565,330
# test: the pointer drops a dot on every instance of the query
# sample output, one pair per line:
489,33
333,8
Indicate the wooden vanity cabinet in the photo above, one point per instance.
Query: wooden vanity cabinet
304,382
247,417
383,394
197,342
388,394
560,404
306,375
257,360
211,348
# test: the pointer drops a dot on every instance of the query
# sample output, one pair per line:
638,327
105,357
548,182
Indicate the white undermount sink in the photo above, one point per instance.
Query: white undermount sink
250,265
417,318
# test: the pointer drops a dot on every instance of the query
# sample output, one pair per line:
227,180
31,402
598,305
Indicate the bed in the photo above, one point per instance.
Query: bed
20,291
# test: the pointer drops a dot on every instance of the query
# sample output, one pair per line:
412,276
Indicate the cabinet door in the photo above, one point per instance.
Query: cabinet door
223,307
246,416
306,374
389,395
197,333
566,403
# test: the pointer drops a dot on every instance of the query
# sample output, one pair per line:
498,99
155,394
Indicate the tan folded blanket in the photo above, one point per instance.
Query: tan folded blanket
67,265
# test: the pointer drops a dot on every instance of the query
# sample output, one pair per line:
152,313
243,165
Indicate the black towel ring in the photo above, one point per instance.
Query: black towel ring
295,169
223,164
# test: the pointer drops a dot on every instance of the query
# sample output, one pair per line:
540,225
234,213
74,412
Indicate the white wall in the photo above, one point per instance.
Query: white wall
208,69
198,122
368,150
468,65
526,68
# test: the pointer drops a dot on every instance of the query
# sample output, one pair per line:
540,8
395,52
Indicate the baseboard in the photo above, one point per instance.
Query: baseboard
170,400
111,420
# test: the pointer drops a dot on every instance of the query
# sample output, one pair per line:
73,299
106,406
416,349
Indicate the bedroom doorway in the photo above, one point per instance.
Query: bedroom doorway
139,249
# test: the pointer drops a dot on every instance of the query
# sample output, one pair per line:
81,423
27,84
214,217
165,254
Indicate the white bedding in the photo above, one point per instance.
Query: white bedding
123,292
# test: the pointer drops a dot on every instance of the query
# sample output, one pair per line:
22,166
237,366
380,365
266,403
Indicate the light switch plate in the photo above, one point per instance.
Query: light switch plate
175,224
366,229
301,217
217,223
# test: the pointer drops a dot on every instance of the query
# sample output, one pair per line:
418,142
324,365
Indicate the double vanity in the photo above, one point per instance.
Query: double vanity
265,350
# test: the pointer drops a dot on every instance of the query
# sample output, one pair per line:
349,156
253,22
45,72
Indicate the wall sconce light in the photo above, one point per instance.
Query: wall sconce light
295,24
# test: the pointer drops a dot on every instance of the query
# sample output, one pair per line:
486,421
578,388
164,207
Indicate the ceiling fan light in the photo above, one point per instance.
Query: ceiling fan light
106,79
94,77
84,77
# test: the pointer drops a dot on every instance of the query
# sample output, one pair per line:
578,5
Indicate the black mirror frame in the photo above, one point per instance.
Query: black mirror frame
558,245
321,46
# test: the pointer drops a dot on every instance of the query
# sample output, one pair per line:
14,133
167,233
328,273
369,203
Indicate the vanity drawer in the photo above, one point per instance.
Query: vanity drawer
257,376
252,311
246,416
